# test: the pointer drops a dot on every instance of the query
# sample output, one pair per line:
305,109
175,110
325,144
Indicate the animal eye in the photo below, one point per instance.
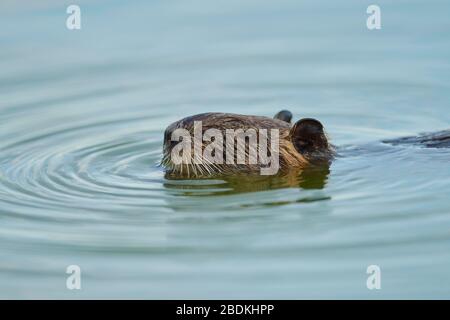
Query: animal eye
302,143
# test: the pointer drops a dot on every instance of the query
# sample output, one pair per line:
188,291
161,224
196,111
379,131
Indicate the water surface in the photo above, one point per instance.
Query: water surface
82,115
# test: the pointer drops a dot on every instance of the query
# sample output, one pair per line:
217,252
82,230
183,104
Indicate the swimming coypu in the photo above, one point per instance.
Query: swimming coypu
295,147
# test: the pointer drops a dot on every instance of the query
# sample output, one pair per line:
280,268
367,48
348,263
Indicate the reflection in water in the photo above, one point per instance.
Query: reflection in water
309,179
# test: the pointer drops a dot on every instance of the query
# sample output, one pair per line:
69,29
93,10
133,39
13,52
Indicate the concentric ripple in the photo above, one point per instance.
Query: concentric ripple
60,169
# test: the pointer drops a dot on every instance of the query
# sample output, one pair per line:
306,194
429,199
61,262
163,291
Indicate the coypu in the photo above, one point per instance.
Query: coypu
295,147
305,153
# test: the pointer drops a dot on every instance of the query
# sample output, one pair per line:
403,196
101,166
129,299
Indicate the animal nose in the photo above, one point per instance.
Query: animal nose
168,135
168,143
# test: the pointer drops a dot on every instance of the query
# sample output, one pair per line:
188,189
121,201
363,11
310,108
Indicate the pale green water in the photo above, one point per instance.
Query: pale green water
82,115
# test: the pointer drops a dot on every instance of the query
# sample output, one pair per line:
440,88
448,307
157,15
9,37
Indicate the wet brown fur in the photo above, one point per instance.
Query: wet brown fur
289,158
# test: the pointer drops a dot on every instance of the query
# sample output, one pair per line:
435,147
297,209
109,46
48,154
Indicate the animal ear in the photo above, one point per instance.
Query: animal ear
284,115
308,135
